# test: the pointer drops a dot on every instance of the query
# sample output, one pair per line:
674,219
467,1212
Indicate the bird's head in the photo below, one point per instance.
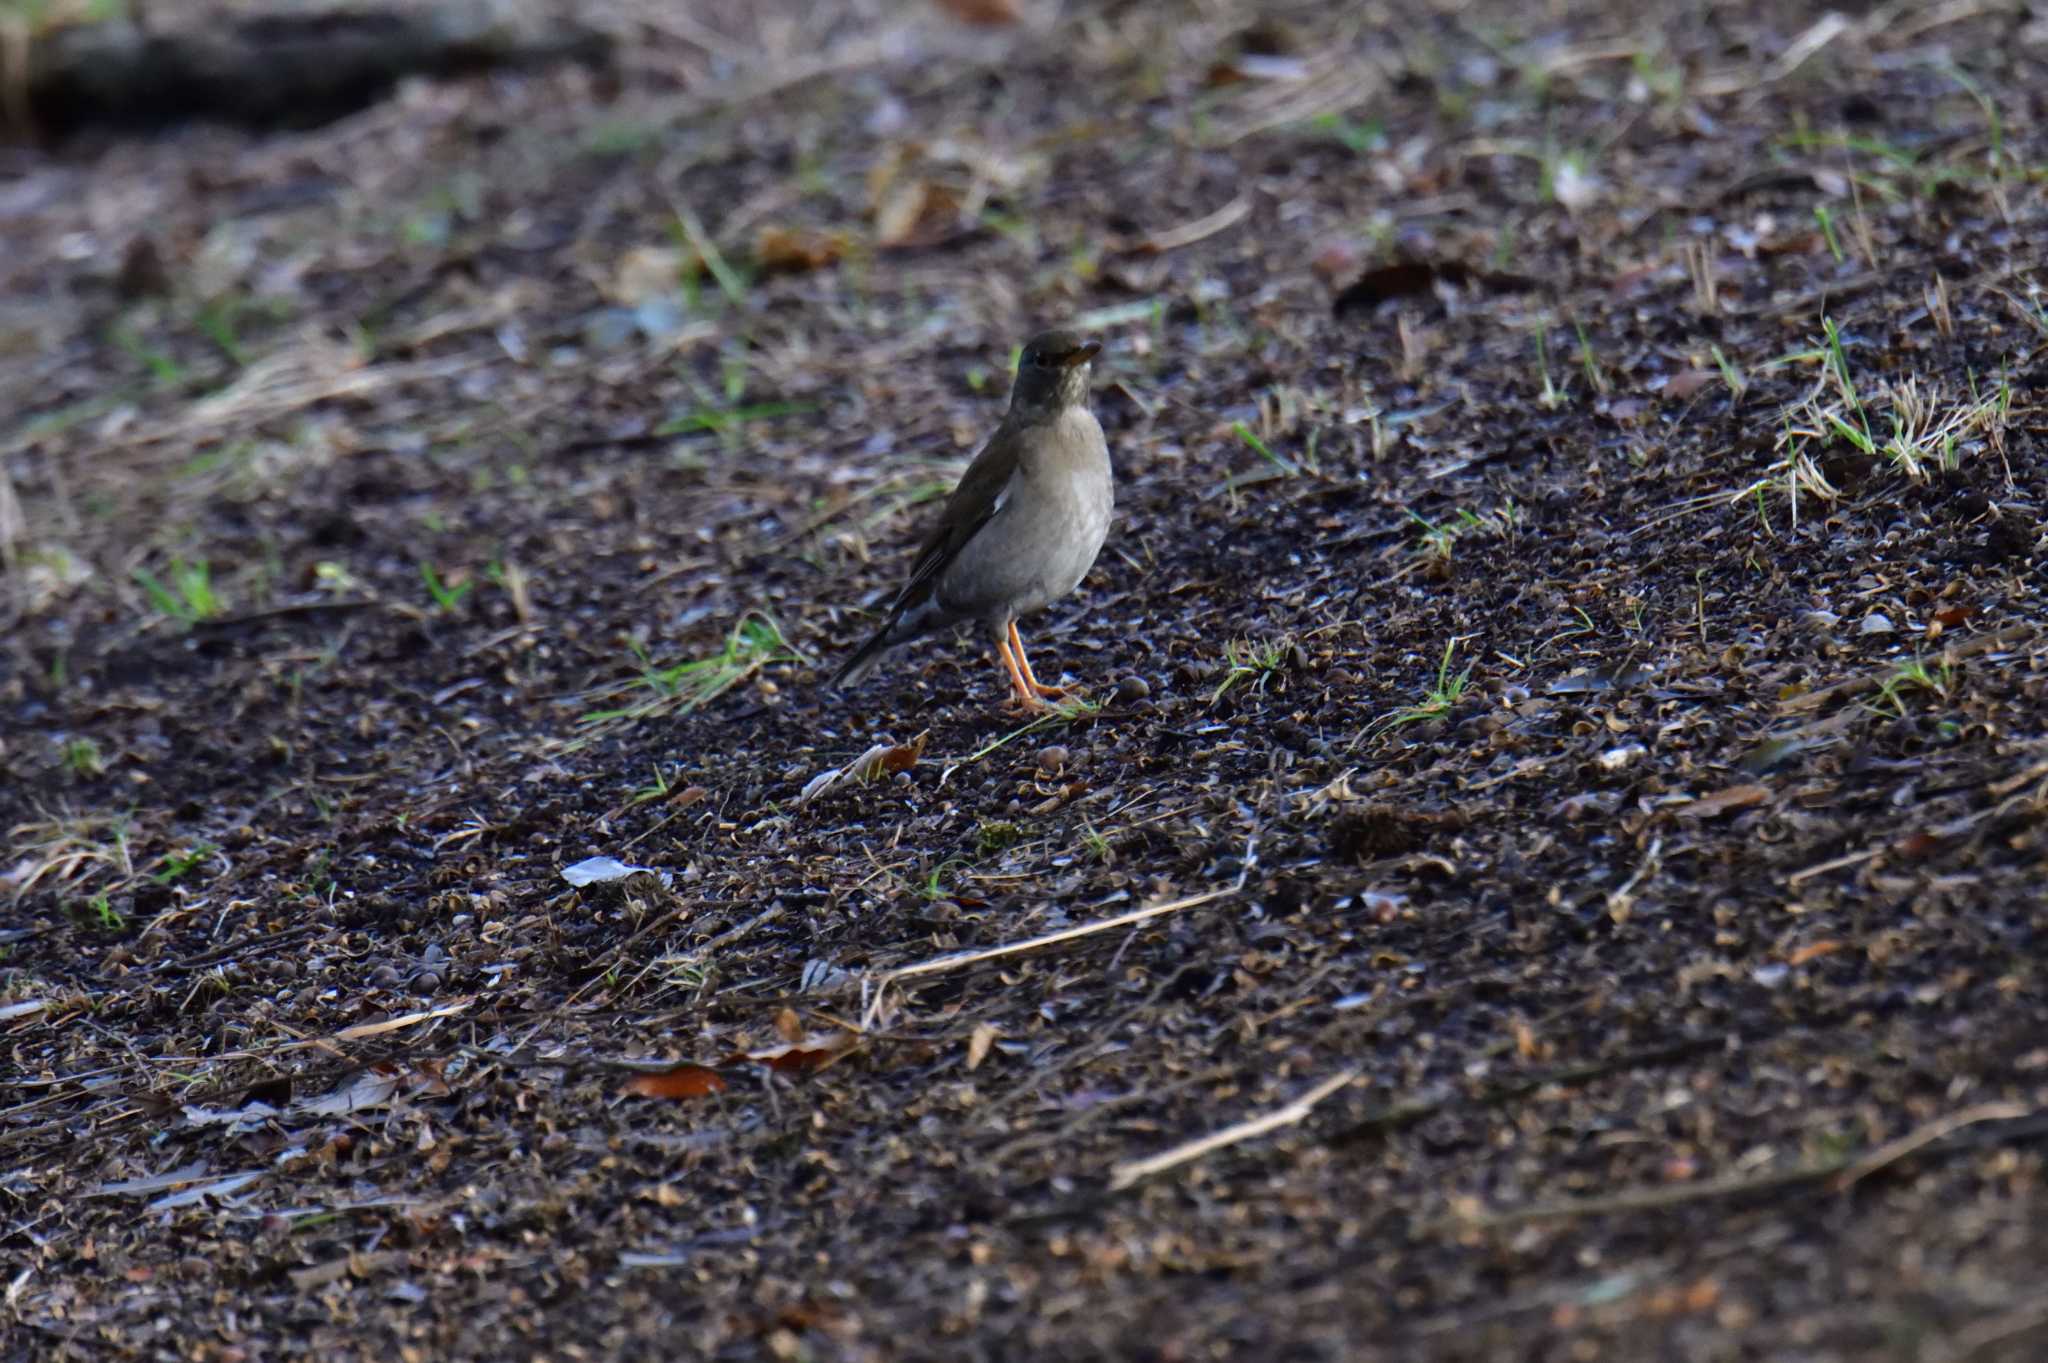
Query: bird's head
1052,373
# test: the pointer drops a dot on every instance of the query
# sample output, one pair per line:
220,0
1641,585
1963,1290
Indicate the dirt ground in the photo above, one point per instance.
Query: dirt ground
1548,866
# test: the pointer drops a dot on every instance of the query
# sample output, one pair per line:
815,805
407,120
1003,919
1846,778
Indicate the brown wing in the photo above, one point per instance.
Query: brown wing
973,504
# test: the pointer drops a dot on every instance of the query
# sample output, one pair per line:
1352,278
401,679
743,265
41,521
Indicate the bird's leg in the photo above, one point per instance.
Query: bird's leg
1022,697
1038,688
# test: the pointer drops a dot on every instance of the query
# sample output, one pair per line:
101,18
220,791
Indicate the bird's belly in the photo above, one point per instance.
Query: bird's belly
1027,561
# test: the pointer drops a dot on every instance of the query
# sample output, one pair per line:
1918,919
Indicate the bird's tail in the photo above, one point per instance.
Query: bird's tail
865,657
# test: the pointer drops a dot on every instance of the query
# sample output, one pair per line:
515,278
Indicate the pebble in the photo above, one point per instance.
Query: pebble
1052,758
1133,688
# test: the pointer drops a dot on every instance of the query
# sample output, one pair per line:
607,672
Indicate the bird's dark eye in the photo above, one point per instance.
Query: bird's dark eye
1039,361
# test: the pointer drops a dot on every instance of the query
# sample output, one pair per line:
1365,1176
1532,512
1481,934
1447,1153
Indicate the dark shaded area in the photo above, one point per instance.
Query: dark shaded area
280,71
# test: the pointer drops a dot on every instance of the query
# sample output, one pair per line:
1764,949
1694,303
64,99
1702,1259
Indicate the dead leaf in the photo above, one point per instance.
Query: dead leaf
1335,259
1687,382
887,761
684,1081
1410,278
982,13
883,759
1917,845
1256,66
809,1053
1797,244
785,250
789,1026
1813,951
1727,801
649,272
978,1044
1948,617
916,213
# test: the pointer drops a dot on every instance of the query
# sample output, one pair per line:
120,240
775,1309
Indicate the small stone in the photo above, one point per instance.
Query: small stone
1052,758
385,977
1877,622
426,982
1133,687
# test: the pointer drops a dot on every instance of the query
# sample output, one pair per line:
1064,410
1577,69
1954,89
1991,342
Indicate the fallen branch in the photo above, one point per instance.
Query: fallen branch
1123,1175
961,959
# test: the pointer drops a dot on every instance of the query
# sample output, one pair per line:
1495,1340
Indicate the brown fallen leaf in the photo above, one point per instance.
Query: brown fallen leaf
1687,382
916,213
1727,801
978,1044
887,761
1948,617
785,250
1813,951
1410,278
1334,259
646,272
883,759
684,1081
984,13
1918,845
810,1053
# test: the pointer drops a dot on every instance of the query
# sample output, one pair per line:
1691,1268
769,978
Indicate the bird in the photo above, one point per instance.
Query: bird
1021,529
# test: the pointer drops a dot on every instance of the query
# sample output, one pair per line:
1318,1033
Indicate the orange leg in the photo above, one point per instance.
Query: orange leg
1038,688
1022,697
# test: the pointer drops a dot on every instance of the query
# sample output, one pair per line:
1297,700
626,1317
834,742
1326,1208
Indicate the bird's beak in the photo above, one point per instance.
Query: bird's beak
1082,353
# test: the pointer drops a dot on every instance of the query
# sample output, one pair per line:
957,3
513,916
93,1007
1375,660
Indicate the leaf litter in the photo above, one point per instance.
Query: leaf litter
1676,963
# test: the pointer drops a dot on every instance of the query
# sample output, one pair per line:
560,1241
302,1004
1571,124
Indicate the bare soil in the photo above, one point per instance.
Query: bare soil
1569,672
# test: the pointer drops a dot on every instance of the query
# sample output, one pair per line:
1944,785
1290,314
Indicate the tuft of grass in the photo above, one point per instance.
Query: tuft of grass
99,912
447,595
189,596
1730,375
996,835
172,867
1915,675
1251,664
82,758
1063,712
1827,230
59,851
170,376
1596,377
756,642
720,422
1360,139
1437,700
1283,467
934,886
1926,431
1437,541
